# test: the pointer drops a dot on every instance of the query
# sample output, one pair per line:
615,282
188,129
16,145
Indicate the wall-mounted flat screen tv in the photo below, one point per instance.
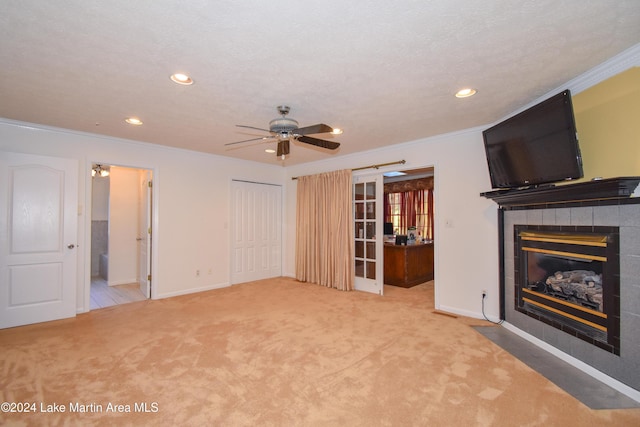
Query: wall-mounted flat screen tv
537,146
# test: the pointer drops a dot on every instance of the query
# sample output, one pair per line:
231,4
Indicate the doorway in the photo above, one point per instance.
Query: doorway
120,235
409,241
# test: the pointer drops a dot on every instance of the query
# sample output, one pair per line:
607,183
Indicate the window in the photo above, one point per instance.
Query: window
410,204
394,216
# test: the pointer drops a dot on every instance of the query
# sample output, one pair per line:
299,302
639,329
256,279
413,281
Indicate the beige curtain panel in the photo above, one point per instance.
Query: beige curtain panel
324,224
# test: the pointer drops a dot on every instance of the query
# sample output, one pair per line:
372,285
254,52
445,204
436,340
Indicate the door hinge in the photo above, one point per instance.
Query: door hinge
148,277
149,230
150,184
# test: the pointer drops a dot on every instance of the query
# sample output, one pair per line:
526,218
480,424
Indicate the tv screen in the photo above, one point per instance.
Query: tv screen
388,228
536,146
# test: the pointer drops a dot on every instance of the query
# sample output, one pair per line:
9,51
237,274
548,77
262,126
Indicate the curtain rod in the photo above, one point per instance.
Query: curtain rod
378,166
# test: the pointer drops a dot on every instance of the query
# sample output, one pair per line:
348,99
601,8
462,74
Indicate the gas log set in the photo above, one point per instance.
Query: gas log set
577,286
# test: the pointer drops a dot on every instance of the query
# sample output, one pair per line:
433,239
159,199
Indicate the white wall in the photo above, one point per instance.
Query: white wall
191,202
100,199
466,253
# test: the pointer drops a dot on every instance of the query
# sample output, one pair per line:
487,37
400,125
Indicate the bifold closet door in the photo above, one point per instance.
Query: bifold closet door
256,231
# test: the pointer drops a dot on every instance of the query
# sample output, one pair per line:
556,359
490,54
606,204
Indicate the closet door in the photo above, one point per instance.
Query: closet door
256,231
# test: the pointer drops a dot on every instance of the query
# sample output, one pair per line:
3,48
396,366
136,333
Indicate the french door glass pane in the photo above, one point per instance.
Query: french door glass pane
371,230
371,251
371,270
371,190
359,191
371,210
359,268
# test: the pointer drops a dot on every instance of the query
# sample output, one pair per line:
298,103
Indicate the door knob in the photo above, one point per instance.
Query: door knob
71,246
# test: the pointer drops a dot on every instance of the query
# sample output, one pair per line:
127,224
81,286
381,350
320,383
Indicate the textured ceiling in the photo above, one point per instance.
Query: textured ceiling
384,71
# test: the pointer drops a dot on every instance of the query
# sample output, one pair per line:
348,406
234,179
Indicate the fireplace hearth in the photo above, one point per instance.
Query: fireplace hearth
568,277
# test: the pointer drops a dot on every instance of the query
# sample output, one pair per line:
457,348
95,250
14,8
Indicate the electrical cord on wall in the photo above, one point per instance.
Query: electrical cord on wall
485,316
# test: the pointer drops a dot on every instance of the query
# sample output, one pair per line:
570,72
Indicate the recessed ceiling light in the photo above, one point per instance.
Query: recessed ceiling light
270,150
337,131
181,79
133,121
465,93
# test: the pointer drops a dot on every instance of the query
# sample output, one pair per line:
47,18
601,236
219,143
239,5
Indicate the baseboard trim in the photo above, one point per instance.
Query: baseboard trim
191,291
466,313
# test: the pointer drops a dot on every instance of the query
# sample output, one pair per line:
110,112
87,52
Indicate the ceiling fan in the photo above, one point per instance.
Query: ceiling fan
284,129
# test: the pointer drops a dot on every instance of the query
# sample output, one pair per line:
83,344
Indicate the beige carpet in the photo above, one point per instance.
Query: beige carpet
279,353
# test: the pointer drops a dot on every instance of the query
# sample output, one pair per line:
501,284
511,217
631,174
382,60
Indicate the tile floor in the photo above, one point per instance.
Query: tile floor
585,388
103,295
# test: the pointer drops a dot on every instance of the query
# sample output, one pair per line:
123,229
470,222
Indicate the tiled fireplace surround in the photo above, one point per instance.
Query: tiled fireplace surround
602,203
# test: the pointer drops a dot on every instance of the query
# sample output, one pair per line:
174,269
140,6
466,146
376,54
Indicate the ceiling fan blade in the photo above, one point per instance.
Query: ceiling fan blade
247,140
283,148
307,130
253,127
331,145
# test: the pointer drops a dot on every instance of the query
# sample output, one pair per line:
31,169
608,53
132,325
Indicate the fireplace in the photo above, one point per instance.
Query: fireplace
569,278
591,213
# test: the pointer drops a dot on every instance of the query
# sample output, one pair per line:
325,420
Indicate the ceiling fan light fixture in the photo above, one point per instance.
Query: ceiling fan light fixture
465,93
100,171
181,79
283,125
284,130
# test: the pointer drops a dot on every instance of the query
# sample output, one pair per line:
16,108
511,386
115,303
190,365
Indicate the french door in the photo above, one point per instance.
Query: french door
367,216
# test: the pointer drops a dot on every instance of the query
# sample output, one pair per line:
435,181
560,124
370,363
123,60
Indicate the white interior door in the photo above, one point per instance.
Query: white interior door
367,214
38,238
144,231
256,231
124,218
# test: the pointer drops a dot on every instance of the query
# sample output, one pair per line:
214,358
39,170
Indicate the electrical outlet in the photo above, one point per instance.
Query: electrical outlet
197,273
484,293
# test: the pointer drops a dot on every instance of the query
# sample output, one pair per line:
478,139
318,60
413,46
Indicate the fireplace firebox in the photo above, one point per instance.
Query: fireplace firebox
569,278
